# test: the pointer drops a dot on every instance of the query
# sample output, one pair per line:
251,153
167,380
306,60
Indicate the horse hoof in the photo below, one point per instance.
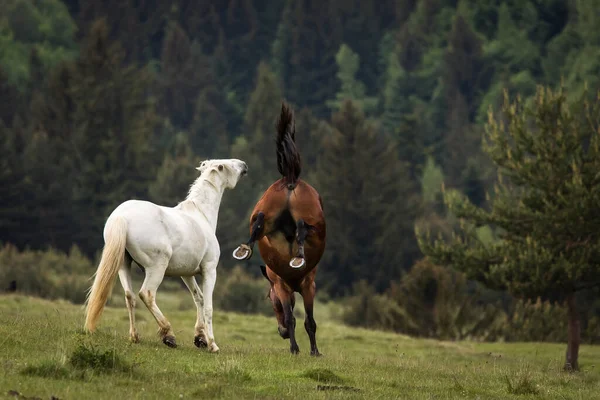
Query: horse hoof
200,342
170,341
294,350
283,332
243,252
297,262
214,348
134,338
316,354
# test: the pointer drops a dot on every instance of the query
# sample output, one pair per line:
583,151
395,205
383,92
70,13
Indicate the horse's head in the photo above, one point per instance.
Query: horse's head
228,171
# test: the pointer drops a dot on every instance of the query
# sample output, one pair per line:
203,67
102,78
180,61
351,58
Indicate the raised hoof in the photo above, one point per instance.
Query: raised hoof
243,252
297,262
213,348
283,332
170,341
200,342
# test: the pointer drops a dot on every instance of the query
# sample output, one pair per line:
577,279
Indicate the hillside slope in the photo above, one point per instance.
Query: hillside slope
39,341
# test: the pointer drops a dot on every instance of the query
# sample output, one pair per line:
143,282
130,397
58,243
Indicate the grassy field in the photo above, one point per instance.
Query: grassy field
44,353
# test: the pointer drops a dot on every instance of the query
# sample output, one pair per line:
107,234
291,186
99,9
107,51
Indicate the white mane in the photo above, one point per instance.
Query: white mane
200,186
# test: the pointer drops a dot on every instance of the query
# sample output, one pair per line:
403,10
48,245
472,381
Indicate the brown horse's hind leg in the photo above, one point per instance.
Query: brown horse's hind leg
280,315
301,233
277,306
308,295
286,297
244,251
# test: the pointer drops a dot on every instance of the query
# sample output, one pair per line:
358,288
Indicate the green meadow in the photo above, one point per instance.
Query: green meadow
44,353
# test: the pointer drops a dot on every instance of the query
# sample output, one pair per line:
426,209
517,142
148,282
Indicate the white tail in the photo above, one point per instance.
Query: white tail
112,258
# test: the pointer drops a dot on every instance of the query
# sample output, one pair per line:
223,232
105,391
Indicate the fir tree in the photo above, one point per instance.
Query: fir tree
369,203
175,175
113,129
185,70
14,213
208,132
545,206
348,63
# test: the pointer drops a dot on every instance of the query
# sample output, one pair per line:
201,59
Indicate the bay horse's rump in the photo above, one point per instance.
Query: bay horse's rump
283,208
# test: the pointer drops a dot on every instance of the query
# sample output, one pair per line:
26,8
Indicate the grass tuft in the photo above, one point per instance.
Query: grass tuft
89,357
522,386
322,375
47,369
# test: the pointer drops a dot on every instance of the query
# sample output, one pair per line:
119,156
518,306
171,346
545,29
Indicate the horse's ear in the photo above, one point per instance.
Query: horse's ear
201,166
263,269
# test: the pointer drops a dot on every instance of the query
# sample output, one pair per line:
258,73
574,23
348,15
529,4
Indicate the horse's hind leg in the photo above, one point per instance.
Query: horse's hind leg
286,296
308,291
244,251
154,277
125,278
301,232
200,337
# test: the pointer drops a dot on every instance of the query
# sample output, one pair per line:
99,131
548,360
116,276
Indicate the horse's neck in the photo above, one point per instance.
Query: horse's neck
206,197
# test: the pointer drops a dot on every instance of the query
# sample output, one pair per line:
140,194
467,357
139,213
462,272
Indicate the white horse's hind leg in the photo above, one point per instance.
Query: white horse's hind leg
125,278
209,277
200,337
154,277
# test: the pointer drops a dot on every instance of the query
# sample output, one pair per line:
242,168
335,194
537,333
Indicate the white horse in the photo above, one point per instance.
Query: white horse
178,241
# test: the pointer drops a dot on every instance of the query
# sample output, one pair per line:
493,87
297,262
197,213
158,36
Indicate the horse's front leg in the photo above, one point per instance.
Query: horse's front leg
209,277
200,337
302,229
244,251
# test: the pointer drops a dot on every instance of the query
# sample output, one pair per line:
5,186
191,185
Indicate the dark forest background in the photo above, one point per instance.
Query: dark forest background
106,100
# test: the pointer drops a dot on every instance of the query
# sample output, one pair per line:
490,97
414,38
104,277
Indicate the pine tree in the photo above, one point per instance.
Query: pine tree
259,125
315,37
176,173
50,159
371,209
544,206
10,100
113,129
394,91
185,70
280,49
465,77
348,63
208,132
14,214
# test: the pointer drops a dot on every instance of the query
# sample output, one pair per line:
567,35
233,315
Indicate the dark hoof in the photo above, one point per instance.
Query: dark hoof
294,349
243,252
297,262
170,341
200,342
283,332
316,354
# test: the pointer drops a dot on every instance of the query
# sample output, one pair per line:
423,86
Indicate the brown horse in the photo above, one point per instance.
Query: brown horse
289,225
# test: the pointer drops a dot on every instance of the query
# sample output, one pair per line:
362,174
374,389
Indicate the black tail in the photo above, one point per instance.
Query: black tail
289,163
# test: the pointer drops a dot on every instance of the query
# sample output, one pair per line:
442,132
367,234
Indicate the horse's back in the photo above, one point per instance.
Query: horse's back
162,233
